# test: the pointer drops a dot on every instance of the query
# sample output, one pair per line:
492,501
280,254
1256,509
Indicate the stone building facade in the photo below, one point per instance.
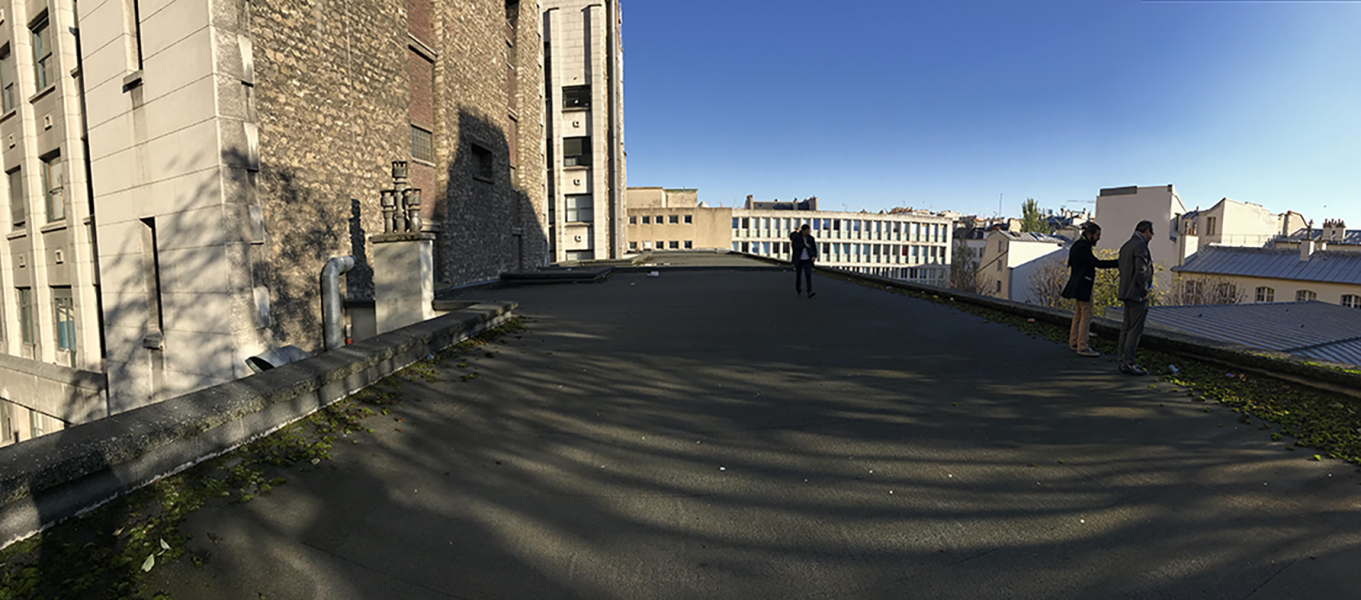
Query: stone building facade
234,146
585,119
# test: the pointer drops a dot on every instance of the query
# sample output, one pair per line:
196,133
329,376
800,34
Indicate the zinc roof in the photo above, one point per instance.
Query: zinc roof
1309,329
1270,263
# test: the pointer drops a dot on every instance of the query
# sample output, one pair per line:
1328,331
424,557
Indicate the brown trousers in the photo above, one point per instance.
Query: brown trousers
1082,324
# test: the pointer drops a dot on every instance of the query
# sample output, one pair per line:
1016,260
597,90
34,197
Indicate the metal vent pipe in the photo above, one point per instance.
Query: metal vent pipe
331,329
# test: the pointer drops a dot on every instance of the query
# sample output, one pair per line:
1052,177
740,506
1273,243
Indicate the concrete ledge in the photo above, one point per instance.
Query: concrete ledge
72,395
584,274
59,475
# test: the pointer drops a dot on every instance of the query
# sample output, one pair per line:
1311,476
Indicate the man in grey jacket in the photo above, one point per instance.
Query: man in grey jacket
1136,278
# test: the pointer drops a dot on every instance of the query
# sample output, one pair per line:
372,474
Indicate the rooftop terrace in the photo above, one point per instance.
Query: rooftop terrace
708,434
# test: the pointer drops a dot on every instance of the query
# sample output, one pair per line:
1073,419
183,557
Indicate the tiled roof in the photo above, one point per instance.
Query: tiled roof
1270,263
1313,329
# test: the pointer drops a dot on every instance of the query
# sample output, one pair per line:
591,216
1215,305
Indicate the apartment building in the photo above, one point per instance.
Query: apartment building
233,148
583,71
662,219
909,245
51,356
1262,275
1011,260
1233,223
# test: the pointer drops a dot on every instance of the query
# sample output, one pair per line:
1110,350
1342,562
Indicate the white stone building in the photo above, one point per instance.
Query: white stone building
583,68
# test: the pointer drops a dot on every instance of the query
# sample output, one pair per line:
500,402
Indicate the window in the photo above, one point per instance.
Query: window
675,245
689,219
633,245
52,188
579,209
7,99
16,199
660,219
735,222
26,315
64,311
647,220
1209,226
1305,296
999,266
1266,294
633,220
673,219
42,54
422,144
7,433
576,96
690,244
660,245
576,151
1351,301
999,287
484,164
1001,245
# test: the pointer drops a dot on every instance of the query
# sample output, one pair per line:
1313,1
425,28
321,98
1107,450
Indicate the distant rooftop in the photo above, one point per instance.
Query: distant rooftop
809,204
1271,263
1349,236
1316,330
1024,236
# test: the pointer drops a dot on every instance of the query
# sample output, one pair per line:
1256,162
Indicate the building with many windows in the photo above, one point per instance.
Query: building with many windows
662,219
583,71
179,172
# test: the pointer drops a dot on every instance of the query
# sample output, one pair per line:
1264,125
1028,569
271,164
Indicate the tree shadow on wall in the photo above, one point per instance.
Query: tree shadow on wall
490,225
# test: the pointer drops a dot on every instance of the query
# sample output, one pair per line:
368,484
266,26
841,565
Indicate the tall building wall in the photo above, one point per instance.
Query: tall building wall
234,147
49,311
586,171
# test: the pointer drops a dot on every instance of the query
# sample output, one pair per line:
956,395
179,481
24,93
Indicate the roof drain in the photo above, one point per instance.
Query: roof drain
330,300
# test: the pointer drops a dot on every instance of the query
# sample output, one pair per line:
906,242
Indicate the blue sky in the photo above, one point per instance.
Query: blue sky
947,105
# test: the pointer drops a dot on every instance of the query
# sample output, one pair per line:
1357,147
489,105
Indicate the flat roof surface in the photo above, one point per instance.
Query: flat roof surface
708,434
1313,329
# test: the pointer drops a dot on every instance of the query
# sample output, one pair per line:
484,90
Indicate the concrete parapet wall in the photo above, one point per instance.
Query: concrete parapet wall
72,395
50,478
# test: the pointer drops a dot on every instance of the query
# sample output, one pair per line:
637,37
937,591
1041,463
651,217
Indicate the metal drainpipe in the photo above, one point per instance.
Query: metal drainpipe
330,300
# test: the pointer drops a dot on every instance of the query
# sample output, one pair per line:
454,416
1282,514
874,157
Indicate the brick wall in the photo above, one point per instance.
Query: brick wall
334,98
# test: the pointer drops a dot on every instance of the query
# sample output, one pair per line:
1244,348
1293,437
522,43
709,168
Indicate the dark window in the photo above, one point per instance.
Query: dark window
16,199
6,80
689,244
484,163
42,54
647,220
576,152
675,245
579,209
576,96
689,219
26,315
633,220
52,188
64,310
422,144
673,219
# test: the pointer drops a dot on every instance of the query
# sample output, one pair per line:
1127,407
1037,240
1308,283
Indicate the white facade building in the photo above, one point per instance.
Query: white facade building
1011,259
910,246
583,67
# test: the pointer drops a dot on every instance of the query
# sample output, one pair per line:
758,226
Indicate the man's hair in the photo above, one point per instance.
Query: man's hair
804,226
1090,227
1144,226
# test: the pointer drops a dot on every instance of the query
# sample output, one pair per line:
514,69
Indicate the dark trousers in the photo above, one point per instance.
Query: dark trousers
1136,314
804,268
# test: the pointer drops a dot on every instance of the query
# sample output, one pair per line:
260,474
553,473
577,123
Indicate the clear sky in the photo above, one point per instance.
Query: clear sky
951,104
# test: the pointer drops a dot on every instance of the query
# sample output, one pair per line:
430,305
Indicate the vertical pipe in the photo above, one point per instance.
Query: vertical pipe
332,332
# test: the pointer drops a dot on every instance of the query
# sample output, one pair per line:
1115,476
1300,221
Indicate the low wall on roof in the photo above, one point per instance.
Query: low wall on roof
50,478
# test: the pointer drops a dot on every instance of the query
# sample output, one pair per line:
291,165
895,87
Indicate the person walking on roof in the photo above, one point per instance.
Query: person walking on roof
1136,278
1079,289
803,250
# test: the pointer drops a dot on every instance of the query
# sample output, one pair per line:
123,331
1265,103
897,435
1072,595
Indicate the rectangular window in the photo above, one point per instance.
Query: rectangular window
1266,294
26,315
42,54
1209,226
675,245
7,99
660,219
52,188
422,144
689,244
7,433
64,313
16,199
1351,301
484,164
1305,296
647,220
633,245
633,220
579,209
576,96
689,219
735,222
673,219
661,245
576,151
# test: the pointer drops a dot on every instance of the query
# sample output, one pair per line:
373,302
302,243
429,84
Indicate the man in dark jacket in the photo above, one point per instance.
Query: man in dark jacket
1136,278
803,250
1084,264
